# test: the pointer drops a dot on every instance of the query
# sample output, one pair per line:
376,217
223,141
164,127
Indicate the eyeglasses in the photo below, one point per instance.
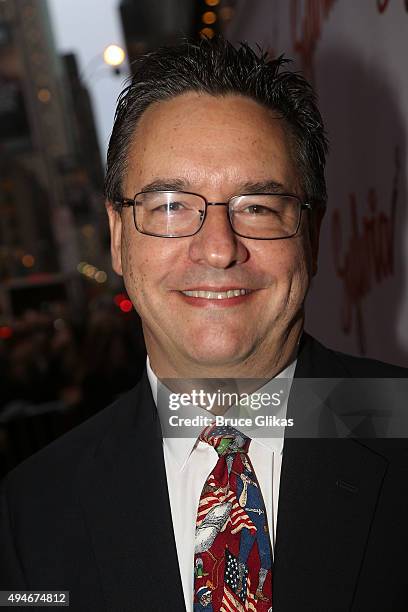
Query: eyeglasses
179,214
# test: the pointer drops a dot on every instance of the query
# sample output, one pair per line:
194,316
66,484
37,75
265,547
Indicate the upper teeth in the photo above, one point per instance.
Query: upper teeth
216,295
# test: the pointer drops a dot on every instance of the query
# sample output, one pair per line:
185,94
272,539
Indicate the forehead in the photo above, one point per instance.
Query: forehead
206,139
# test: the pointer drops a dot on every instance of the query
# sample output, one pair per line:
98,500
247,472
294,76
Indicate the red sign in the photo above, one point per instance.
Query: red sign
382,5
306,29
368,257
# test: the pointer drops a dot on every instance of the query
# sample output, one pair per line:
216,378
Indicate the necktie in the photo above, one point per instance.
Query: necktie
232,557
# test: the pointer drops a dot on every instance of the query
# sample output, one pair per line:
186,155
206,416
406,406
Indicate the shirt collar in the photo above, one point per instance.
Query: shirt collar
181,448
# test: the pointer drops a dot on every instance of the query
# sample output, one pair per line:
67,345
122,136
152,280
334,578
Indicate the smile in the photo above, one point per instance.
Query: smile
217,295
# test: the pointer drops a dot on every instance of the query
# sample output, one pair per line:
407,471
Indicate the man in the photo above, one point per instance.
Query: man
215,195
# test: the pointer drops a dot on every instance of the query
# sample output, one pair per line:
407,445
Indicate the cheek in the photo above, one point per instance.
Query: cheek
301,271
283,259
133,269
146,262
289,266
301,261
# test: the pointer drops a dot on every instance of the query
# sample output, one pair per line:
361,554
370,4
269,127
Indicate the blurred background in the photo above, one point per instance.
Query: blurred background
70,340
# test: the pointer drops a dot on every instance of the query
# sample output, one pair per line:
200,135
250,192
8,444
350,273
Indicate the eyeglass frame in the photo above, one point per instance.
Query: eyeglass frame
129,202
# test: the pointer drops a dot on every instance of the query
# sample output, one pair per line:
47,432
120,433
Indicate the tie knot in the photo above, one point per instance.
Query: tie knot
225,440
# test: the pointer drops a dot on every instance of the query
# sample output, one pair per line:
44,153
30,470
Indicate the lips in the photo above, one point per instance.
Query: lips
216,295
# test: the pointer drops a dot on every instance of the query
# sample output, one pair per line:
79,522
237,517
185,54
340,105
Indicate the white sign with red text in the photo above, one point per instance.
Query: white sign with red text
356,55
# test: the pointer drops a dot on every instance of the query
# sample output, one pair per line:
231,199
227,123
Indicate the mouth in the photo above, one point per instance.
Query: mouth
216,295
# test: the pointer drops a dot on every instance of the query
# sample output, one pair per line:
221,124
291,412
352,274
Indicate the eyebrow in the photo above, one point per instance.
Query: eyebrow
268,186
179,184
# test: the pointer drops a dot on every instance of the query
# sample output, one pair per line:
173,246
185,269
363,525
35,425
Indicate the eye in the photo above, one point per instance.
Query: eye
258,209
174,206
170,207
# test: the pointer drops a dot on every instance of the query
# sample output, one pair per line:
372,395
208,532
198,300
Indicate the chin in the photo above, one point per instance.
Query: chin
219,345
210,356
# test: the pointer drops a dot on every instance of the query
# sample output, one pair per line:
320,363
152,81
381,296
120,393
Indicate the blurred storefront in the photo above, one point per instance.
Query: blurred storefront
51,177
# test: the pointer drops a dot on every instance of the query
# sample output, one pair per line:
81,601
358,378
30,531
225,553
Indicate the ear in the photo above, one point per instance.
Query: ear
115,226
315,222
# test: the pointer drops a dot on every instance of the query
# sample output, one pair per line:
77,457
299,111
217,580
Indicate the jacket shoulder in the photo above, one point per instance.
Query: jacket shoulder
364,367
61,460
319,361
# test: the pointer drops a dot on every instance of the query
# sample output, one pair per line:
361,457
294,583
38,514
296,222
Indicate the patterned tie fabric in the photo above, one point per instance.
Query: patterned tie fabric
232,557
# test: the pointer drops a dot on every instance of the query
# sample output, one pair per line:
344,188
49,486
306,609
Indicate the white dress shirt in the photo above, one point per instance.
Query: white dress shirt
189,462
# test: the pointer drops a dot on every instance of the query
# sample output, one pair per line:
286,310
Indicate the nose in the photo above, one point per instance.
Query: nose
216,245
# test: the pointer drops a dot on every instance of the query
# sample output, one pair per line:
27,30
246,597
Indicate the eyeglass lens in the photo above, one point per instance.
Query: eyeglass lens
172,214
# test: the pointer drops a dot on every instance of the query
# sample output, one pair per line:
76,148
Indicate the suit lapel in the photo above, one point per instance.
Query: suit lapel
328,494
126,507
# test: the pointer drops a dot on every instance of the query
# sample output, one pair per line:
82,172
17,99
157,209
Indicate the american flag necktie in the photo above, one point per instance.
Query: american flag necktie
232,556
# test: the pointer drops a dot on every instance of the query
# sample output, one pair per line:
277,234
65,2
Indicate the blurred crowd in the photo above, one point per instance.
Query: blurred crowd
55,372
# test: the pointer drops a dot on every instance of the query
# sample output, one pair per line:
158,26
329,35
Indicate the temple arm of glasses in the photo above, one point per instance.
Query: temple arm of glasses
124,202
130,202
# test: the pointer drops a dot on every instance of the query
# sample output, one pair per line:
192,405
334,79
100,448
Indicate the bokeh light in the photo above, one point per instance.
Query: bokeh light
28,260
5,332
207,33
114,55
119,298
209,17
126,306
44,95
101,276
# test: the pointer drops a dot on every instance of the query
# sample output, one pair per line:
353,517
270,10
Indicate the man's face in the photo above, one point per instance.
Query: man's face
217,147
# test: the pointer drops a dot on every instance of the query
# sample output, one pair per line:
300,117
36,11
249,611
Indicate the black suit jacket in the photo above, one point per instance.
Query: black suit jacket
90,513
